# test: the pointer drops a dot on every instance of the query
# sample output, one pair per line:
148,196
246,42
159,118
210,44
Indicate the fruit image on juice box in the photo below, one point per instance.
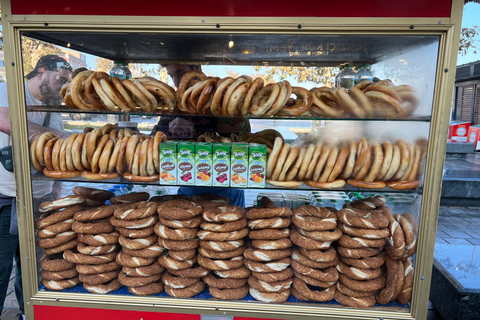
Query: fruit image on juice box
168,163
257,163
185,163
221,165
239,164
203,164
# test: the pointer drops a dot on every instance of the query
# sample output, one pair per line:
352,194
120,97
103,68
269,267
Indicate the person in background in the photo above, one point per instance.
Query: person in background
191,127
41,88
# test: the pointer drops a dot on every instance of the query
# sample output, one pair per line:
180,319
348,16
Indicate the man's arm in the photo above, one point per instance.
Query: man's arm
33,127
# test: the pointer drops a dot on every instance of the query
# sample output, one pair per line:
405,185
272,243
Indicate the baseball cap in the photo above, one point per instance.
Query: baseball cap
49,62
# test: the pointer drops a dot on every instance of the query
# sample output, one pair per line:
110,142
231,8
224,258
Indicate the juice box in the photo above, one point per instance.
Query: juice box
186,163
168,162
203,164
257,164
221,165
239,163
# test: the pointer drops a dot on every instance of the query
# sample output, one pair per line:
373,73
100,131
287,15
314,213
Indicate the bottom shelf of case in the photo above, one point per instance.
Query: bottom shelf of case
205,295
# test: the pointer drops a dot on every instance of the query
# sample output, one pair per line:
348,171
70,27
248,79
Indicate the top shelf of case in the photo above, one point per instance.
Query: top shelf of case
236,49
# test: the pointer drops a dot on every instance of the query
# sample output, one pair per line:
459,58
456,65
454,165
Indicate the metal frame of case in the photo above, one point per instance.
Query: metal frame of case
448,28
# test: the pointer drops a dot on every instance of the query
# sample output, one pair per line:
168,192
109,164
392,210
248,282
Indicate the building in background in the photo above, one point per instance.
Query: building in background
76,59
466,106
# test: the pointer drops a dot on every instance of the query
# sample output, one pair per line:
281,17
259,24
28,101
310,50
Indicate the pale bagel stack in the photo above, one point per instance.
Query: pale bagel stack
221,250
177,234
314,260
268,256
134,219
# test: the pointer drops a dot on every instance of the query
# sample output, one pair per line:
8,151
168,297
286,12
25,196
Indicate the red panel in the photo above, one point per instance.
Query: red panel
51,312
235,8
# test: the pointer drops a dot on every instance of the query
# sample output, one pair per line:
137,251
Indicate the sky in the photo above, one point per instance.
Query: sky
471,17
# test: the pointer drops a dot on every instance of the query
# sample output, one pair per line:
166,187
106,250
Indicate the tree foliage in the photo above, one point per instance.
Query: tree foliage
33,49
469,40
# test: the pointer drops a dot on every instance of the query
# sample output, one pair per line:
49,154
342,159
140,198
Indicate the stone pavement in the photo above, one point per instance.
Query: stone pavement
10,307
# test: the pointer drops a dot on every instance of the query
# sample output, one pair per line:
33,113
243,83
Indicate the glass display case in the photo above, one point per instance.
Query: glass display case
368,157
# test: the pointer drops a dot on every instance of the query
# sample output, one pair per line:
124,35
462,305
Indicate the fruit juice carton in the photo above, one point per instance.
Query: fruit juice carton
186,163
221,164
168,163
203,164
239,165
257,165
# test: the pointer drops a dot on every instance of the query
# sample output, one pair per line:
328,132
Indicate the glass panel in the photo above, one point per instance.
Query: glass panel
350,150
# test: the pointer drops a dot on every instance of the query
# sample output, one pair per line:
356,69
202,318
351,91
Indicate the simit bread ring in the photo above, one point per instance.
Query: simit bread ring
363,285
182,255
149,289
268,297
304,260
81,258
68,201
60,284
314,218
179,209
357,253
137,244
221,254
313,295
58,275
224,227
229,294
57,240
352,293
178,244
144,271
369,203
219,265
127,260
406,294
222,236
152,251
326,275
358,242
56,217
330,235
194,272
98,268
135,233
137,281
98,278
55,263
54,229
130,198
357,273
96,227
410,231
134,224
308,243
364,302
369,219
95,250
103,288
266,255
269,234
395,280
365,233
178,282
227,213
313,282
239,273
365,263
280,244
220,246
274,276
61,248
95,214
262,286
179,224
395,242
144,209
265,213
273,266
171,264
187,292
99,239
224,283
270,223
175,234
318,255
